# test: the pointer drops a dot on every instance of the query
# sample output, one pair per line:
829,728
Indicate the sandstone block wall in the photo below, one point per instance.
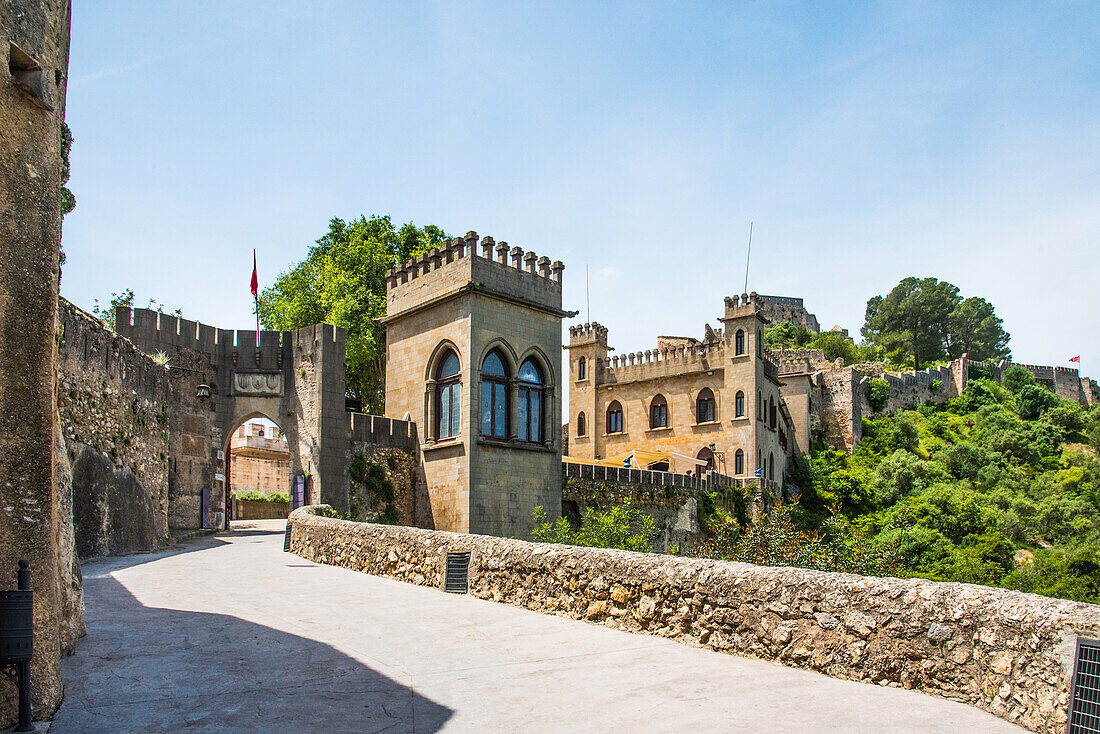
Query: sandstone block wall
113,406
1006,652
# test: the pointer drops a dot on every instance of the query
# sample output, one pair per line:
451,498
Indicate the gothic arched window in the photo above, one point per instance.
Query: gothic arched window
494,396
739,463
704,406
658,412
581,427
739,342
582,368
448,390
530,403
615,417
739,404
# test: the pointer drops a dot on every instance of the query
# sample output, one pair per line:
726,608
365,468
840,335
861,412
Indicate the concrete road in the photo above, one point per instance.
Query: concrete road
229,634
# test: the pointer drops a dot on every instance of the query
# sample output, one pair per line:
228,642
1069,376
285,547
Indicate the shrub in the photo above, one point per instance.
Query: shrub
623,526
775,540
1033,400
251,495
878,394
1016,378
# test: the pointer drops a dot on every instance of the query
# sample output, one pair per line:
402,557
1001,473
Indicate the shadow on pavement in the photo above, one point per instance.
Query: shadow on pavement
146,669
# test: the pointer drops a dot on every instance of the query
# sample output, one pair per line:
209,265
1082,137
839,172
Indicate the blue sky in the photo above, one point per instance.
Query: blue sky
866,141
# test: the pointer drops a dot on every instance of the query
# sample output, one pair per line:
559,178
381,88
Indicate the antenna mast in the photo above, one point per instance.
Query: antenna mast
587,299
747,255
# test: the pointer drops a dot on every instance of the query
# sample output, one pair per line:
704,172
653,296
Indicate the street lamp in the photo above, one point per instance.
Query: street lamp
202,392
718,455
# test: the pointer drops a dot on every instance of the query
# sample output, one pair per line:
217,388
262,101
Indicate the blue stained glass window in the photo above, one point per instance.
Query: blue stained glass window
494,365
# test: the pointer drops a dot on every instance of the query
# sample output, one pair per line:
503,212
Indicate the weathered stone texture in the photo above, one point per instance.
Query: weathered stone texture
1003,651
113,405
34,46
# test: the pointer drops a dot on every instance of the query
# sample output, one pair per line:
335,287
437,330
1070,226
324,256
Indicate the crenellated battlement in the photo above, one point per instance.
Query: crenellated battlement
504,270
653,363
592,333
747,304
155,332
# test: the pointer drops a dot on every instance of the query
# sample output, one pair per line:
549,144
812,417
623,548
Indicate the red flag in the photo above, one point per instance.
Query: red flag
1076,359
255,277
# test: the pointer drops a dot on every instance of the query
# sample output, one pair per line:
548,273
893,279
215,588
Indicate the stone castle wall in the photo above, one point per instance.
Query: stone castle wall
672,500
1006,652
776,309
393,445
113,406
34,44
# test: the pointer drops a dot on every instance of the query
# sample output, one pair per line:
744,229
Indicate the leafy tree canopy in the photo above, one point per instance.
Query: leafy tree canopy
925,320
342,281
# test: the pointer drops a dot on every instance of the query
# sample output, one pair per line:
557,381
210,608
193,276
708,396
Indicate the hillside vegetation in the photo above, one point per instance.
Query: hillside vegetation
1000,486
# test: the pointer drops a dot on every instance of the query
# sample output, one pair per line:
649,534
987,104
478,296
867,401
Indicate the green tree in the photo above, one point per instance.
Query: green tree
623,526
912,319
787,335
974,330
1033,400
342,281
1016,378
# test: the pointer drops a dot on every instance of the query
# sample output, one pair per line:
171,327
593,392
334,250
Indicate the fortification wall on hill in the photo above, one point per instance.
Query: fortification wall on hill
1003,651
776,309
113,403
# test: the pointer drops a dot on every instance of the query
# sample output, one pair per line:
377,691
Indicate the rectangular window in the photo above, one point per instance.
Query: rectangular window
445,412
534,417
521,417
486,409
500,411
456,409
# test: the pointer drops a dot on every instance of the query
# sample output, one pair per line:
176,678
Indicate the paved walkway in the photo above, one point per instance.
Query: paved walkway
229,634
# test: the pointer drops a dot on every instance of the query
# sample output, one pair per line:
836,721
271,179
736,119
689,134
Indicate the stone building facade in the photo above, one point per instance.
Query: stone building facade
473,346
720,400
260,457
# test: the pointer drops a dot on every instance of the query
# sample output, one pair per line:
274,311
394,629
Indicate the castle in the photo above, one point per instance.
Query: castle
739,408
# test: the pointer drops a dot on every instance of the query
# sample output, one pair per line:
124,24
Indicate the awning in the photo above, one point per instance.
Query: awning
643,459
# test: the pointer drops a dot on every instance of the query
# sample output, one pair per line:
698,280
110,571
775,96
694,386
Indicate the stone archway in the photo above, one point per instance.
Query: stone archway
295,378
256,461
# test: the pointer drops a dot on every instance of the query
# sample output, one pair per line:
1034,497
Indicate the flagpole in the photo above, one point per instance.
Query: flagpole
256,296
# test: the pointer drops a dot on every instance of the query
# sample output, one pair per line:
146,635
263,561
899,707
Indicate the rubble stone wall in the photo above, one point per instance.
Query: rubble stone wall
113,406
1006,652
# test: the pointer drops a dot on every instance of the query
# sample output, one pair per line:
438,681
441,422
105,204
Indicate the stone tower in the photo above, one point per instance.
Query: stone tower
751,370
473,356
587,357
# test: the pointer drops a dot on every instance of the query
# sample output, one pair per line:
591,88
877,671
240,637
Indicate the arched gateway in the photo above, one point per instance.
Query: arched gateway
294,377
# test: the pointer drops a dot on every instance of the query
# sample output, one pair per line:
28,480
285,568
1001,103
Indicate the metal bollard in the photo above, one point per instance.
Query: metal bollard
17,641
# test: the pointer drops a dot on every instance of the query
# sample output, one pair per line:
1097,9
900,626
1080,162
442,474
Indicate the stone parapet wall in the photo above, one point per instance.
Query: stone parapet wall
655,363
1003,651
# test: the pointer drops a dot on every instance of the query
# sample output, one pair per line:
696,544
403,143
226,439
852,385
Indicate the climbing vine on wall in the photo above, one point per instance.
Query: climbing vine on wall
372,491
